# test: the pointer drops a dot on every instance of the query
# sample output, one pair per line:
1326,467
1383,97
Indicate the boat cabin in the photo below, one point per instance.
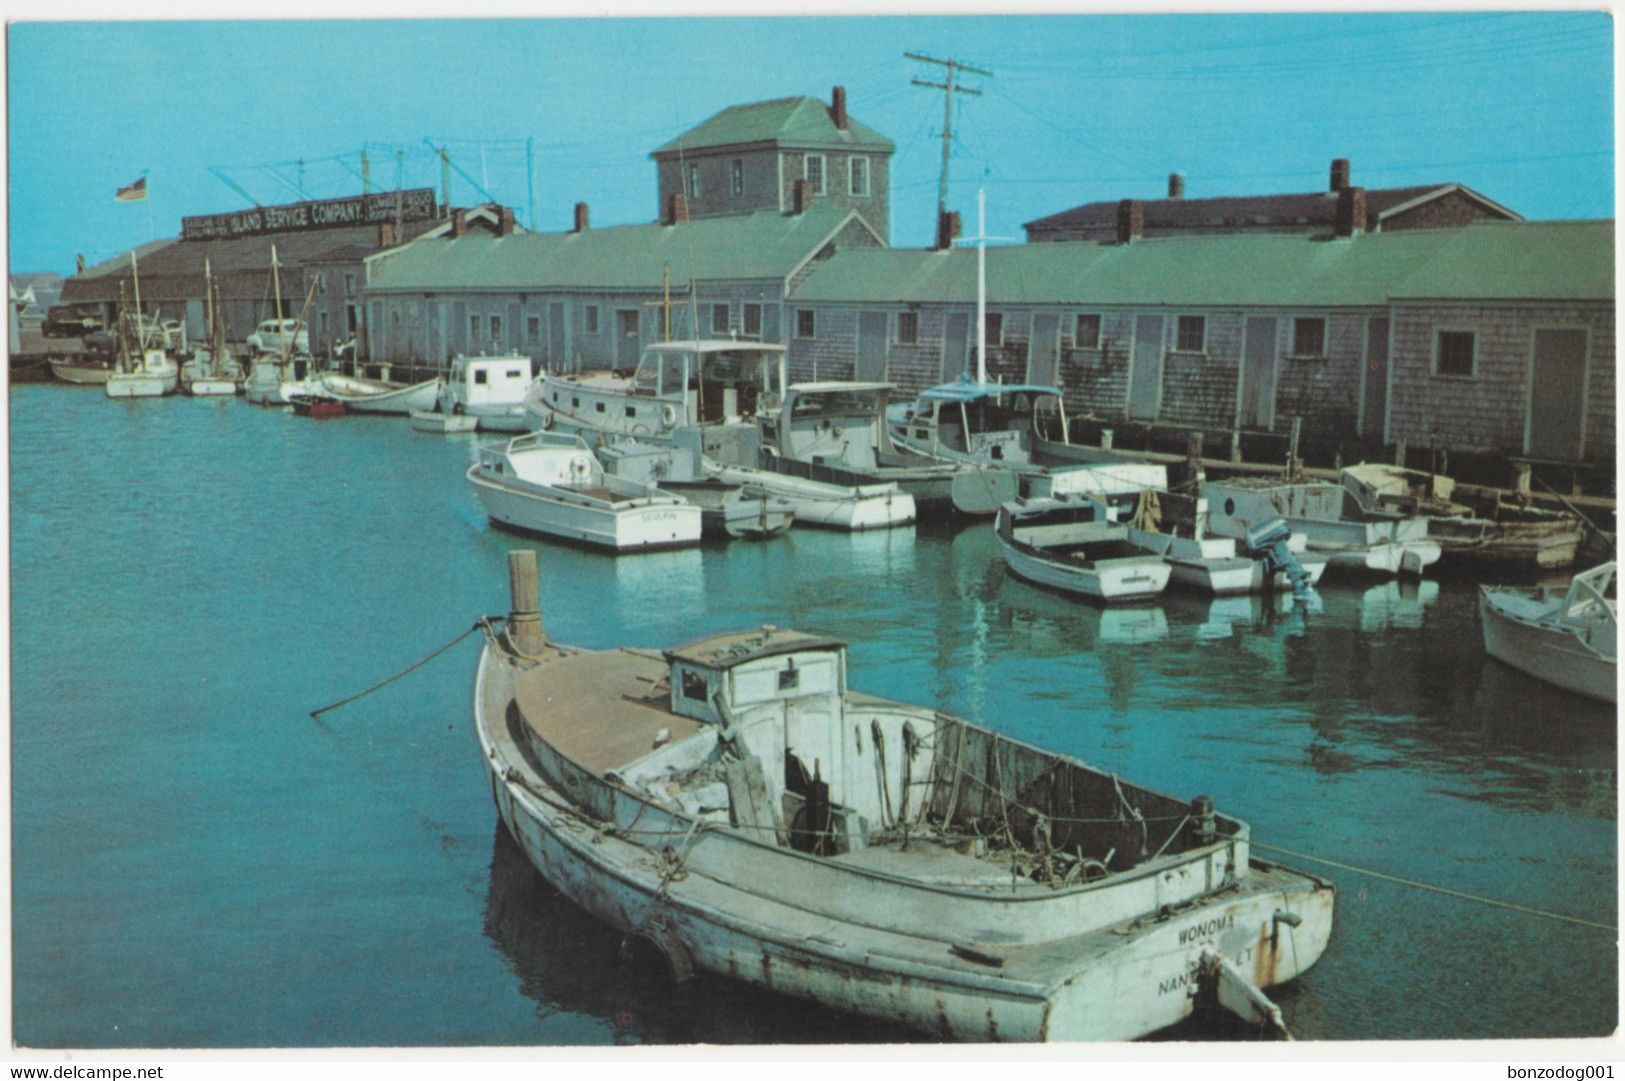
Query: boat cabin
834,423
986,423
474,383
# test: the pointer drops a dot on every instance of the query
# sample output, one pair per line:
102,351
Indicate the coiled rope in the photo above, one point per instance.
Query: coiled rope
1525,909
483,623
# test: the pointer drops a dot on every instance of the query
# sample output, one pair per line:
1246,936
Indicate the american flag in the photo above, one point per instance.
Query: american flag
132,193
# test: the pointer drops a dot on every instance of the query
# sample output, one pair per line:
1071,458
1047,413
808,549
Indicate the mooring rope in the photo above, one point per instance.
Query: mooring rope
1526,909
482,623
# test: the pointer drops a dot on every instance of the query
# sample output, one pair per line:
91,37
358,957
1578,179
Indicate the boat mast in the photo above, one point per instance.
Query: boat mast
140,329
276,284
981,286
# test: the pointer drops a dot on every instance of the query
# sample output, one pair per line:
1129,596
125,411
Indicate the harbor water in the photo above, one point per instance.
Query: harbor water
197,862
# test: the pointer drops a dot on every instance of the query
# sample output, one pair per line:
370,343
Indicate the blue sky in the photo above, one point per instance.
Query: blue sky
1517,105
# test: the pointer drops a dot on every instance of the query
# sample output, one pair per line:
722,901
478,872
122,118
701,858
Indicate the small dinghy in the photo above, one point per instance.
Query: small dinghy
1174,526
550,483
375,396
730,806
1073,543
1567,639
314,405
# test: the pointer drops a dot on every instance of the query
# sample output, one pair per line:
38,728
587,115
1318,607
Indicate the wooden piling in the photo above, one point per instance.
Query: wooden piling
1235,445
525,633
1399,454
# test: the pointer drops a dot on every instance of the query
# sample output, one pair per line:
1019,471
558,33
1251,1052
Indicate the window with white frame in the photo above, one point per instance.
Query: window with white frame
1086,332
806,322
1454,352
815,172
858,170
1309,337
1192,334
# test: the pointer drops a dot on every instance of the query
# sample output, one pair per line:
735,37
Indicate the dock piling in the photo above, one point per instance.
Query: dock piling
525,632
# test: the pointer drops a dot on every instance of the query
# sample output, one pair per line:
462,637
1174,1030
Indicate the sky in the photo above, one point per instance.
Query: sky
1078,108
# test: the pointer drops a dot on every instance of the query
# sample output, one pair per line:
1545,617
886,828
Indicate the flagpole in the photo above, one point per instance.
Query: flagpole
152,231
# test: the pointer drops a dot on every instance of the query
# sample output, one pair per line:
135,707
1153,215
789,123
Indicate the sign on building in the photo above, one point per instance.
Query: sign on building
418,204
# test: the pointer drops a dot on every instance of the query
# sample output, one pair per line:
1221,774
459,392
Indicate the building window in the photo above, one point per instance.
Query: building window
1309,337
1192,336
694,181
736,177
995,328
496,328
349,284
323,317
859,170
321,284
533,327
395,314
815,172
1453,352
719,318
805,323
591,318
1086,332
474,328
753,320
908,328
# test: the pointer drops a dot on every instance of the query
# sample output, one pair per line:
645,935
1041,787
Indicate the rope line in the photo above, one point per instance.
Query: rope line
1526,909
482,622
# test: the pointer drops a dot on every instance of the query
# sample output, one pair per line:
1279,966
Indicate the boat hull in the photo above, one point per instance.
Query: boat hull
211,388
1137,578
80,374
361,397
141,385
443,423
634,525
1551,654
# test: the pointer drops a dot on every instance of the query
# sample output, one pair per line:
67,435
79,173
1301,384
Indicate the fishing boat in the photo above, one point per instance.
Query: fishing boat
1332,523
549,483
1568,638
87,369
433,420
489,389
212,371
727,510
1497,534
728,805
141,368
1074,543
843,424
1173,527
361,395
273,378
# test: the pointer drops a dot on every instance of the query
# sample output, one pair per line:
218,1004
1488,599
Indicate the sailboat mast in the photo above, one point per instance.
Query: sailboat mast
140,328
981,285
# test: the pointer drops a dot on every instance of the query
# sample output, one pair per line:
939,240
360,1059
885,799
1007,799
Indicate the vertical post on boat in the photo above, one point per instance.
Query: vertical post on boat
140,327
981,286
525,633
1292,463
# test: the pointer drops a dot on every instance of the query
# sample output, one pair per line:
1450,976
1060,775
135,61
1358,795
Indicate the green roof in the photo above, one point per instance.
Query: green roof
764,245
793,122
1535,261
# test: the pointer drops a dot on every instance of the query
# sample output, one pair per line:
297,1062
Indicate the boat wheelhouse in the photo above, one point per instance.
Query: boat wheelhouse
982,423
490,389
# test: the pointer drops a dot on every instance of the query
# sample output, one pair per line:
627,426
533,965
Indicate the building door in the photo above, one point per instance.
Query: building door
627,348
954,346
558,356
433,341
516,328
1042,350
1374,407
871,365
1258,374
1557,401
1145,380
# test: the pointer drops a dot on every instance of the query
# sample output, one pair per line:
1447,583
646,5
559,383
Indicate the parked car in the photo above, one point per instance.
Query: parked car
269,336
70,321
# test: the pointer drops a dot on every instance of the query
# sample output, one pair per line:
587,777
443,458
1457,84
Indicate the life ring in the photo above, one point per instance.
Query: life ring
580,467
836,431
668,415
659,937
640,429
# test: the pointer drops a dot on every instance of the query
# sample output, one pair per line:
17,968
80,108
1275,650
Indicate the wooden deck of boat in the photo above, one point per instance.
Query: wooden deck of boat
601,710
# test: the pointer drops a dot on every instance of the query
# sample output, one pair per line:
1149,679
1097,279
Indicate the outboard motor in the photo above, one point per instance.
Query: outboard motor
1268,539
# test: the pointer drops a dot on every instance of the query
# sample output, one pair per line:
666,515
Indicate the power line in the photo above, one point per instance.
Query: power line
949,90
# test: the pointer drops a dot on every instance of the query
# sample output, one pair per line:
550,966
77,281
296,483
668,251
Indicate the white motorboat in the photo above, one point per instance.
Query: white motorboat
731,510
730,806
549,483
1332,523
151,373
85,370
1173,526
1568,639
489,389
433,420
361,395
1074,543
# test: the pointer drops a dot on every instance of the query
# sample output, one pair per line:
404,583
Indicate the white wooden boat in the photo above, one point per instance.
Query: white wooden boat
212,371
550,483
361,395
1074,543
825,496
1496,534
277,378
1568,639
433,420
1332,523
152,374
730,806
81,371
1173,527
490,389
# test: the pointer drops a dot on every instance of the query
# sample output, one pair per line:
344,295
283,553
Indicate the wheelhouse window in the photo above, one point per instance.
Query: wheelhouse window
1086,332
1454,352
719,318
736,177
1309,337
908,328
815,172
806,322
1192,336
858,170
753,320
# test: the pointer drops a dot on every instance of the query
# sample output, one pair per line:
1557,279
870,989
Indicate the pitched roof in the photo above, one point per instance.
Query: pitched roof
791,122
1317,208
764,245
1510,261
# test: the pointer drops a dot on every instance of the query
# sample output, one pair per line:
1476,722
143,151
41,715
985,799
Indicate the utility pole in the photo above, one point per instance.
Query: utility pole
366,174
949,89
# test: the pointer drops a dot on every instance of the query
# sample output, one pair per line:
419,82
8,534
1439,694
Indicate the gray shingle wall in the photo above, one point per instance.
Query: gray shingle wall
1324,392
1199,390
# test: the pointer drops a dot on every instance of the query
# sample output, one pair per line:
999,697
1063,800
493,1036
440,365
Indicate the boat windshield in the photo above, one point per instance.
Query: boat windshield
838,403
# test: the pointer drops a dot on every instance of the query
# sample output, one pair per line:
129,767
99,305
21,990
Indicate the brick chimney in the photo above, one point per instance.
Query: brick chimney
801,197
676,208
386,234
1340,174
459,223
505,221
837,108
1176,185
948,229
79,261
1350,212
1130,220
581,218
